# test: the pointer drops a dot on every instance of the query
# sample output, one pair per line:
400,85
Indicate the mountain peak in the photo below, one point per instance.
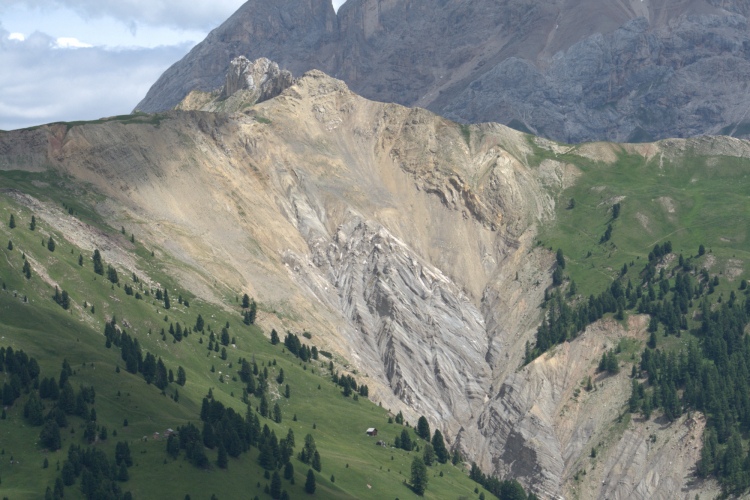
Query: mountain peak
569,70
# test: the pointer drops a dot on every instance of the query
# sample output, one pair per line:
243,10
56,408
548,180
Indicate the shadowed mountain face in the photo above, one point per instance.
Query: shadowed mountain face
571,70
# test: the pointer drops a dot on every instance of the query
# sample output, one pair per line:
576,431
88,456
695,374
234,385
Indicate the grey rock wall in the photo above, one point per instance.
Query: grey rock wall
569,70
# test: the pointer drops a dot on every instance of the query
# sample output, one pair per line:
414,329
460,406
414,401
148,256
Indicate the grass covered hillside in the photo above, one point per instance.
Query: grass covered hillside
104,356
663,233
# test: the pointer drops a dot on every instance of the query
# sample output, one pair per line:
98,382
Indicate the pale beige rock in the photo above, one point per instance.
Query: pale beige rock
404,242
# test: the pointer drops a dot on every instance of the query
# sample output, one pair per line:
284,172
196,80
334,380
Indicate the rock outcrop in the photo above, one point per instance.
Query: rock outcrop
570,70
247,83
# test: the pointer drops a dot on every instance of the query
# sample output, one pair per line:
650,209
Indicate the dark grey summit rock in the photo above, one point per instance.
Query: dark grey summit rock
570,70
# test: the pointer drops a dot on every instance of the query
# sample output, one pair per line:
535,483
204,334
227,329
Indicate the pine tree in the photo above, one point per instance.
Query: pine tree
275,485
405,440
310,482
181,376
252,312
423,428
123,475
245,301
12,222
167,305
560,258
418,476
51,244
10,245
428,455
112,275
98,265
316,461
50,436
288,471
263,406
222,460
27,269
32,225
160,378
277,413
441,453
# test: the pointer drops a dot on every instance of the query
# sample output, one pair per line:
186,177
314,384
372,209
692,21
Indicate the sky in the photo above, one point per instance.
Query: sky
66,60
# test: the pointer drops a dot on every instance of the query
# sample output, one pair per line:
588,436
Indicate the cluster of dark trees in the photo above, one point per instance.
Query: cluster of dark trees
349,385
434,450
230,433
66,402
249,310
99,476
153,369
655,295
296,347
711,377
21,372
258,384
62,299
502,489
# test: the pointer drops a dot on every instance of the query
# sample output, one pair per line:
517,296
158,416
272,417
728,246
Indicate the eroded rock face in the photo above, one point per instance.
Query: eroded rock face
405,243
261,78
247,83
570,70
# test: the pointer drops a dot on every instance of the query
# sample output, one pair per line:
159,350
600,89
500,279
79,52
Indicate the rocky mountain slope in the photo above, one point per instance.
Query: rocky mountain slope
406,242
570,70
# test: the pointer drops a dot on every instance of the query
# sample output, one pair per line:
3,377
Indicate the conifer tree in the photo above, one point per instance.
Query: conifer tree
288,471
98,265
222,460
275,485
12,222
310,482
423,428
418,476
441,453
277,413
405,441
160,378
428,456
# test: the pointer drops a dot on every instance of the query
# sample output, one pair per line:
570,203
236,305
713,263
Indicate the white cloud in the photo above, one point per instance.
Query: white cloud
194,14
42,84
71,43
44,80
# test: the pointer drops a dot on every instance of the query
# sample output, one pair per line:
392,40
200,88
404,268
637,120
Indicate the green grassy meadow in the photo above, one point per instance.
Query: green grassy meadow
691,202
31,321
